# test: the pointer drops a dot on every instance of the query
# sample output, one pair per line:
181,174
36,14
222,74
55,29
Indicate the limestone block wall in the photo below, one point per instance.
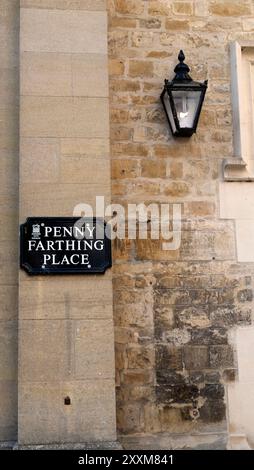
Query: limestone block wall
9,143
182,318
66,346
174,311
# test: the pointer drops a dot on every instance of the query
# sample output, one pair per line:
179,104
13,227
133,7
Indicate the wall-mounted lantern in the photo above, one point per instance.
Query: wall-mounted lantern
182,100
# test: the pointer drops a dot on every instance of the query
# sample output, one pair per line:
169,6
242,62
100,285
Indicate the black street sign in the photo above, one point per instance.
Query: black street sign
64,245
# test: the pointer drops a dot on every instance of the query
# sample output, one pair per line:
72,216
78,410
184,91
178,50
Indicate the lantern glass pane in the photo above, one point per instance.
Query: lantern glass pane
186,106
169,112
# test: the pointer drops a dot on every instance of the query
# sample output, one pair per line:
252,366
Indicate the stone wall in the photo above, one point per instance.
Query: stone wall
9,112
182,318
66,341
174,310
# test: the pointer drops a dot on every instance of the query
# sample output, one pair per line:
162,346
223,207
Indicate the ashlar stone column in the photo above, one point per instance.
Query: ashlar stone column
66,345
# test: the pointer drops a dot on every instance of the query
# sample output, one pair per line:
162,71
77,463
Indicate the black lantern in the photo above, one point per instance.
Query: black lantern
182,100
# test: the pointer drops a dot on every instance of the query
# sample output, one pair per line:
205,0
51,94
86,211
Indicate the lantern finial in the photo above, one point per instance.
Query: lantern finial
182,69
181,56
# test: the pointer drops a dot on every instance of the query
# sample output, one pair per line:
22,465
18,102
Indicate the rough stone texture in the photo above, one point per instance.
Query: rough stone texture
165,441
174,310
9,100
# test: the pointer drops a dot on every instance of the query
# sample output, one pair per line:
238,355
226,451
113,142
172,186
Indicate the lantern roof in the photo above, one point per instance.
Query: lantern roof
182,70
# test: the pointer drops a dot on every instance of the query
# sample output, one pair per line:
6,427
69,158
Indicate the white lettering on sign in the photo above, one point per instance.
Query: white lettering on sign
78,245
65,245
52,245
55,260
76,232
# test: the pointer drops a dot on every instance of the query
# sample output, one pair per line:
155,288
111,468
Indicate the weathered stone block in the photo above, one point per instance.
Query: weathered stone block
134,7
199,208
213,411
168,358
245,295
116,67
63,198
182,8
169,377
47,154
90,75
120,133
96,148
8,262
158,54
142,39
212,377
177,25
153,23
124,86
8,410
192,316
63,31
196,357
64,117
137,315
130,418
213,391
94,349
42,412
124,336
8,302
140,358
119,116
75,299
176,393
175,170
232,8
9,128
117,40
8,350
223,316
46,350
177,189
124,169
153,169
229,375
122,22
221,356
138,377
138,68
158,8
79,169
196,377
123,249
209,336
65,4
152,249
47,74
130,149
151,418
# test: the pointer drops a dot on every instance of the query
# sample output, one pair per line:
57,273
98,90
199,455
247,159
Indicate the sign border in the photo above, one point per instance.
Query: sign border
48,270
